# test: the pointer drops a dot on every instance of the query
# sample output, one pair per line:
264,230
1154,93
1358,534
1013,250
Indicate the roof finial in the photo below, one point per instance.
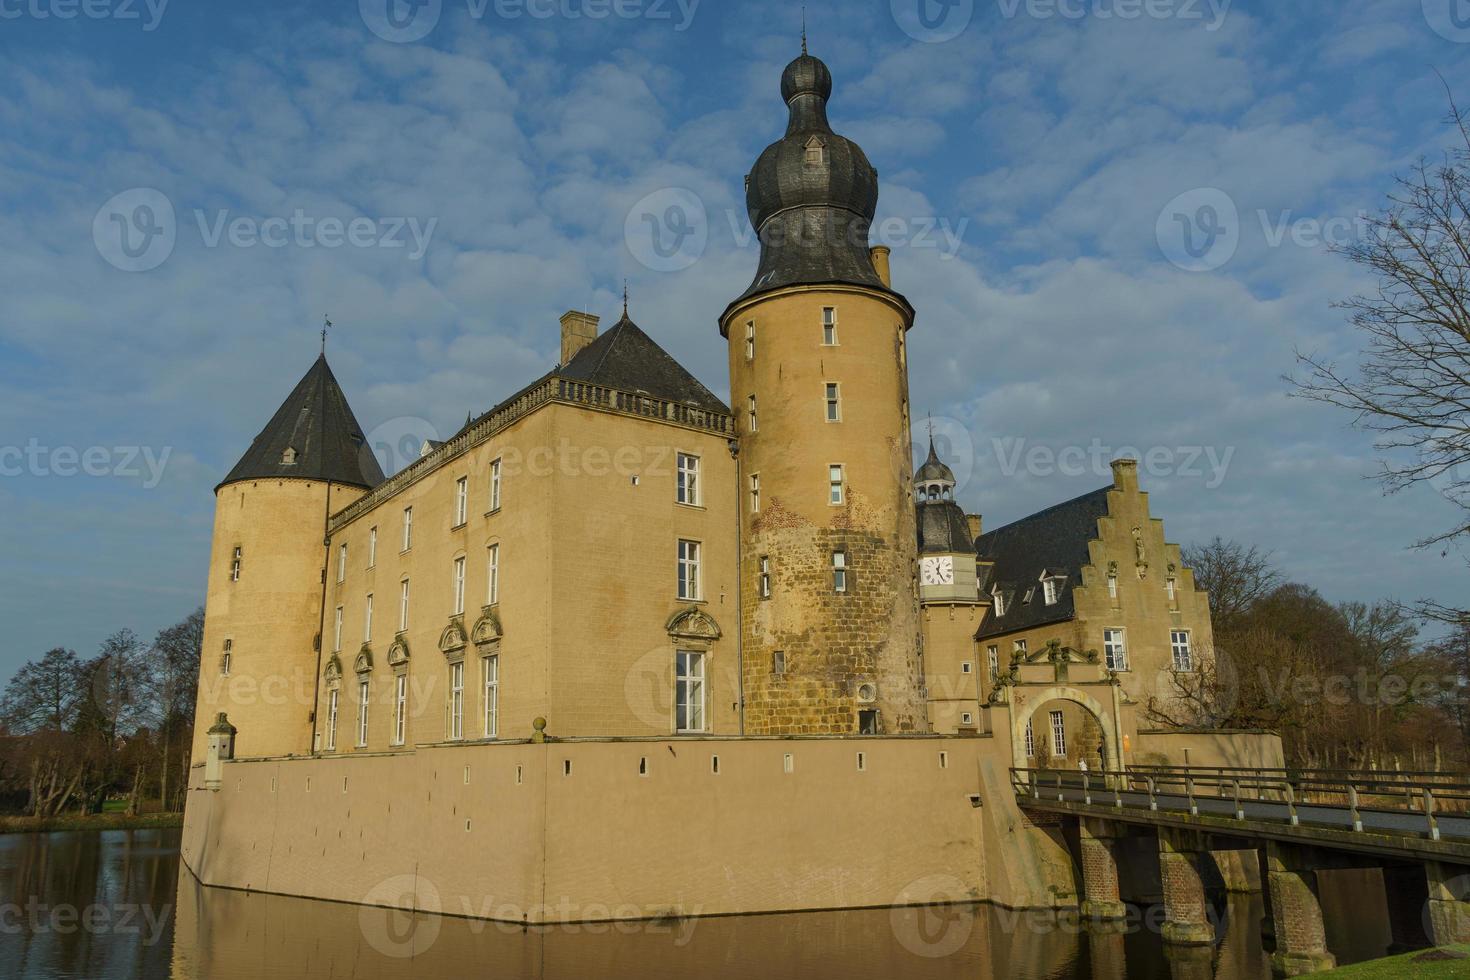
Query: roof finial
326,325
625,299
931,435
803,29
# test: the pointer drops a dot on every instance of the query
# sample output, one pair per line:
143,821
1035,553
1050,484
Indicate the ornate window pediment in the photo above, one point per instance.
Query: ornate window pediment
453,640
333,673
486,630
364,662
398,653
693,623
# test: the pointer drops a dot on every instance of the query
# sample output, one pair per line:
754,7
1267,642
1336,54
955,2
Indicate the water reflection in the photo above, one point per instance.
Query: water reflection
119,905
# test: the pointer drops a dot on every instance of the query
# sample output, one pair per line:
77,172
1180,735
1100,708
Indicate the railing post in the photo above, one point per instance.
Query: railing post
1291,804
1429,814
1189,791
1239,810
1059,787
1153,800
1086,789
1353,807
1035,779
1118,791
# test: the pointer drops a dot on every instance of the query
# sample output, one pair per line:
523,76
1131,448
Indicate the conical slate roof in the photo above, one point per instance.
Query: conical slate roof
312,436
628,359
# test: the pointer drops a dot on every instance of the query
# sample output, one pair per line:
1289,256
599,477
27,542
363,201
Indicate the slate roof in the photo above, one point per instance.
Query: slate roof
317,425
943,529
626,358
1051,541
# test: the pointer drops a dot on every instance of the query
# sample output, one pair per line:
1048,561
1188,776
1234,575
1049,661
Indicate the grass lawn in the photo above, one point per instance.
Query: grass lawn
1430,964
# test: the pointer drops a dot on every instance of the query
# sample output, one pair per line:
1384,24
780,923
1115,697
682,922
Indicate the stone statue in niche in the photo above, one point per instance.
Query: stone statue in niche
1142,559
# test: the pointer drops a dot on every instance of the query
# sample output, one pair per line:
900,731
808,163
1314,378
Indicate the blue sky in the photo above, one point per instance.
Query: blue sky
1108,213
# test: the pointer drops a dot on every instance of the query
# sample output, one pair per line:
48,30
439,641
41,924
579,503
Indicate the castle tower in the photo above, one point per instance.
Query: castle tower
268,567
819,380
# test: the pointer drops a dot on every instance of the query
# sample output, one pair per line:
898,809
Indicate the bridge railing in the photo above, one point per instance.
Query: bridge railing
1332,797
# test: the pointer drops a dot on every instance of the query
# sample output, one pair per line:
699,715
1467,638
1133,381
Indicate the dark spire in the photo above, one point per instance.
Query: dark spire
312,436
625,299
326,325
803,29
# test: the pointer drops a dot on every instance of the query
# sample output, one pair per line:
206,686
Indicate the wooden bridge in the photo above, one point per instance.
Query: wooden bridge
1415,826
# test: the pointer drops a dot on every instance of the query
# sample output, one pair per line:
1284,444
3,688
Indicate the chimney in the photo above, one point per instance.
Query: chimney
975,525
880,263
1125,475
577,331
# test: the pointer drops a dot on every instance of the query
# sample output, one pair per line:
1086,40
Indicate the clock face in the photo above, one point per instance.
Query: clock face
937,571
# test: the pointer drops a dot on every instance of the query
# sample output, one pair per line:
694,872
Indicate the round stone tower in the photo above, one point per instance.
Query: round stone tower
819,379
268,562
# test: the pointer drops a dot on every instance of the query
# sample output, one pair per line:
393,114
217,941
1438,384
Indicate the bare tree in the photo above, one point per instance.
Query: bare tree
1411,385
45,694
1235,576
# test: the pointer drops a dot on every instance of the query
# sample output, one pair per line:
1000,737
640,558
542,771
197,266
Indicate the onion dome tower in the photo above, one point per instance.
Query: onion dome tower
818,373
267,571
947,568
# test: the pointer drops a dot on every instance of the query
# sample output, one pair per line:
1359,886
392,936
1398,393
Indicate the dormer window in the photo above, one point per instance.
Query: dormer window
816,152
1051,589
1030,592
288,458
999,602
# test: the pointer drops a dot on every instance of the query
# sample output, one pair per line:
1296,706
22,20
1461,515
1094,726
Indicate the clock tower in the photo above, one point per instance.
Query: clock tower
947,571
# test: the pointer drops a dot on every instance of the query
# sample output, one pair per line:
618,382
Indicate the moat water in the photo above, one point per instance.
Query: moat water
119,904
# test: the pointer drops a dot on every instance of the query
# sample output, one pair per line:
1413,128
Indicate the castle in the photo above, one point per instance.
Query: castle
614,565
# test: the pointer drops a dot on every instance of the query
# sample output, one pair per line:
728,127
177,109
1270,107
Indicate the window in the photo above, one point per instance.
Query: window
689,570
367,619
689,692
778,662
834,403
1051,591
839,571
490,672
1115,650
836,487
992,657
363,690
459,585
967,668
495,486
829,326
966,718
342,563
750,410
755,493
400,709
372,547
765,582
456,701
224,661
750,341
1172,587
688,480
331,721
1058,735
403,606
493,595
1030,740
407,528
461,501
1112,585
337,642
1183,655
1020,647
998,601
235,567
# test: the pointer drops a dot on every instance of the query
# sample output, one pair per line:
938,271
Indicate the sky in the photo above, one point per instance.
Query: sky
1113,218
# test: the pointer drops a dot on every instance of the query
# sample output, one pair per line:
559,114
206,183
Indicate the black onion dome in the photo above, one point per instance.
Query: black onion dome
812,194
933,470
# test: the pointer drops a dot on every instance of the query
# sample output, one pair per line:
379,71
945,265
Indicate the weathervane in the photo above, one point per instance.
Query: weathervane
326,325
803,28
625,299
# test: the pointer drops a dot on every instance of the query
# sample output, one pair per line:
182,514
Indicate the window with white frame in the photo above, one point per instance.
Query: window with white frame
836,484
1020,647
765,580
364,690
331,720
461,501
839,571
494,485
400,709
337,633
689,692
998,602
967,668
1183,655
456,701
750,414
1030,740
750,341
372,547
1115,649
459,585
688,480
342,563
755,493
493,562
1051,590
226,658
967,719
689,570
407,528
235,563
403,606
490,675
992,658
834,402
367,619
1058,735
829,326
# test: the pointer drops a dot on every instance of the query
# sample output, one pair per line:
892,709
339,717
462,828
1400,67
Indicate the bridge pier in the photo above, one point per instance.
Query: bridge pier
1301,938
1182,855
1099,845
1447,913
1406,890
